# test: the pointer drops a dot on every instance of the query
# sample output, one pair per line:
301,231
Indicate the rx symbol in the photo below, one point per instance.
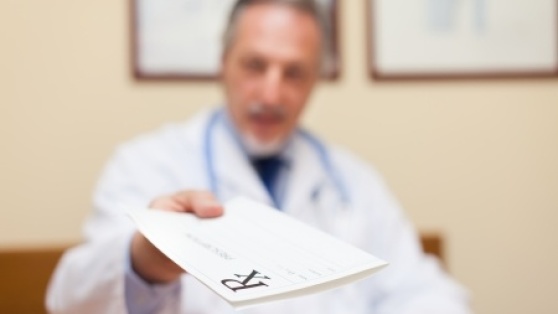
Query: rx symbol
237,284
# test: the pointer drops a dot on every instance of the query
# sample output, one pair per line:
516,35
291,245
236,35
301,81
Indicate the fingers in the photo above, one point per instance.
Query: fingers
201,203
166,203
206,206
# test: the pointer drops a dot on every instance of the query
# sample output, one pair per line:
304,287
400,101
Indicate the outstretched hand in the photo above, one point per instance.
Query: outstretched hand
150,263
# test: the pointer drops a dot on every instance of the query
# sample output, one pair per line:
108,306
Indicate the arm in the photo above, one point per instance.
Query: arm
413,283
96,276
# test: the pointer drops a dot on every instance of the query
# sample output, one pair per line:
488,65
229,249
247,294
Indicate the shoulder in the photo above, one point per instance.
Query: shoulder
350,163
164,152
362,179
154,163
171,136
166,145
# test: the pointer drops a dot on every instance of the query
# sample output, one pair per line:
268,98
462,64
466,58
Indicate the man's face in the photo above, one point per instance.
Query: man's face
270,69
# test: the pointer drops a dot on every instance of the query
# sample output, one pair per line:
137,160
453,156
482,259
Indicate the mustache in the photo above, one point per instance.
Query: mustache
272,111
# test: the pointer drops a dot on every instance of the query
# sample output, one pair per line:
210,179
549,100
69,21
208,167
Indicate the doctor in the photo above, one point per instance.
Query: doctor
254,147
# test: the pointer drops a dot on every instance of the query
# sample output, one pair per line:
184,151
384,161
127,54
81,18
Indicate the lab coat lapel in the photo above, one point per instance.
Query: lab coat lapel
234,173
305,178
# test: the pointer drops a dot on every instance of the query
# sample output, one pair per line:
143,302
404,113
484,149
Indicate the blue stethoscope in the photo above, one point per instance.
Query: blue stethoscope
320,149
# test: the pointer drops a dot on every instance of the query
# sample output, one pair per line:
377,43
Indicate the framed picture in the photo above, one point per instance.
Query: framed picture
438,39
181,39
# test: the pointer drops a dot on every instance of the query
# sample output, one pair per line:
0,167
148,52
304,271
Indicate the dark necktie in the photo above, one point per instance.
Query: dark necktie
268,169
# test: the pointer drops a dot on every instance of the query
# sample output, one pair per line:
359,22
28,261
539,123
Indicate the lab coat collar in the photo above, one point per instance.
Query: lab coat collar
236,175
305,178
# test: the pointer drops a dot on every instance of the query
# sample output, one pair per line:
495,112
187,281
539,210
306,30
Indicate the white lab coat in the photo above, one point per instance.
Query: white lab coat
90,277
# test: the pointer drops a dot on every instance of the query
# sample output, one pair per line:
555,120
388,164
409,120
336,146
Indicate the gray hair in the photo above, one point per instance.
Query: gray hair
309,7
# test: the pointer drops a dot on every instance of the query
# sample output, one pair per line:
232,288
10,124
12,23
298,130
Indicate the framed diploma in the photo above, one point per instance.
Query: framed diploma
423,39
181,39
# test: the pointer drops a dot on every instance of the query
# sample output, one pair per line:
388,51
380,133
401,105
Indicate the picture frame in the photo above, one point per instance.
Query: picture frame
181,39
462,39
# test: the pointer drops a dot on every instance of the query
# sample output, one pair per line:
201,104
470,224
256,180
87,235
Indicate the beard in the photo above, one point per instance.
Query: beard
258,148
262,148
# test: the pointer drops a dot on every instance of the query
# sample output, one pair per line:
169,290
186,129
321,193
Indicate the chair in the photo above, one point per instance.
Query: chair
433,244
25,275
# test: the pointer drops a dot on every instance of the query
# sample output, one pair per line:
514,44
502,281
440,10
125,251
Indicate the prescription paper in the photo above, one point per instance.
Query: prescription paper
255,254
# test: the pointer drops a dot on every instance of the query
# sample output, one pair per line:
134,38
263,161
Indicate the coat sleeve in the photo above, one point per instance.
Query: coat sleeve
413,283
91,278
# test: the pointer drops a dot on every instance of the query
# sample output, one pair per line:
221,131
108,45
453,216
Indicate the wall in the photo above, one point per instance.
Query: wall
474,159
